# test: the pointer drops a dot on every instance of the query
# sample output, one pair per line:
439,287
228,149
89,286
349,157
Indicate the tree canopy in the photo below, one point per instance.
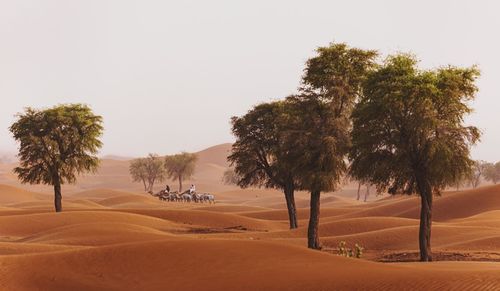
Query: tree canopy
336,74
492,172
148,170
331,85
409,134
261,155
320,141
56,145
180,167
137,169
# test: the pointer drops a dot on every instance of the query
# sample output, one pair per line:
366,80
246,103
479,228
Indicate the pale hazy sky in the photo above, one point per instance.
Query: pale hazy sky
167,75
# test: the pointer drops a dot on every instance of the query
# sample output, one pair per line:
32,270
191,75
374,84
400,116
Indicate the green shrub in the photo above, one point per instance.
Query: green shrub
358,251
345,251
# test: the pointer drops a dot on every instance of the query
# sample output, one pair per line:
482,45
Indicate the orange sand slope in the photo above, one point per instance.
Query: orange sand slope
115,240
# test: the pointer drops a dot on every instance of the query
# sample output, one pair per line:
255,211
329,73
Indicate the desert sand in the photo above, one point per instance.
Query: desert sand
112,236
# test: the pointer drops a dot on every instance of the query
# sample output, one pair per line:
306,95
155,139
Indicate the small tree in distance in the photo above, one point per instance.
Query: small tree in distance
155,170
492,172
137,170
180,167
148,170
56,145
478,171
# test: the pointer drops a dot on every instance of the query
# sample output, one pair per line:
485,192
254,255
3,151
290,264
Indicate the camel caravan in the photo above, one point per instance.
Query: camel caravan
189,195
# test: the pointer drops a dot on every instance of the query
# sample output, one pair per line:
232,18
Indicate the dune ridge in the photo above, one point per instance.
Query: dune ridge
109,238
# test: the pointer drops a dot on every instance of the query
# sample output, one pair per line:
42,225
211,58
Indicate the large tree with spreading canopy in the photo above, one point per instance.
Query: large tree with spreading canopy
261,155
409,134
56,145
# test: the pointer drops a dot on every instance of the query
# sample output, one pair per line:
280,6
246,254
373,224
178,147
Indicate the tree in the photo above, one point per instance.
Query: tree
320,141
230,177
330,87
56,145
137,170
479,169
155,170
367,192
408,132
261,156
492,172
180,167
463,180
148,170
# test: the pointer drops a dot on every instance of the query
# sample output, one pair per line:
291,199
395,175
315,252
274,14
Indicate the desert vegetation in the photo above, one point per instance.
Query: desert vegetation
249,145
148,171
180,167
401,128
153,168
57,144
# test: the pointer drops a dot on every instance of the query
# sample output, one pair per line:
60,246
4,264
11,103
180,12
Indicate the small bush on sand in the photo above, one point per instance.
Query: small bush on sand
345,251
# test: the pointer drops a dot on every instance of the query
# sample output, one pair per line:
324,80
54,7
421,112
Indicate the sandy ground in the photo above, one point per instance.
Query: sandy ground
113,238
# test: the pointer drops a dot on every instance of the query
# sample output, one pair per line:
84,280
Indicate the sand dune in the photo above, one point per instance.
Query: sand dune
463,204
111,239
100,193
97,234
30,224
12,195
193,264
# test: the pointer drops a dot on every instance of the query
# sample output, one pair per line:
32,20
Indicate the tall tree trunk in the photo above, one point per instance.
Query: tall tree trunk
145,187
180,184
290,205
312,231
425,225
57,194
359,188
367,193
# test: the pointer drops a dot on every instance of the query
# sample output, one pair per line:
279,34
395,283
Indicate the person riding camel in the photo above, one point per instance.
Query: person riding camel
167,189
192,189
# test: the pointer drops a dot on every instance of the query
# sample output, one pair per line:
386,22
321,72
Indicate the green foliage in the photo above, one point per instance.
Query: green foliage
180,167
345,251
408,128
148,171
358,251
261,155
331,85
342,249
320,140
137,169
409,134
57,144
336,73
